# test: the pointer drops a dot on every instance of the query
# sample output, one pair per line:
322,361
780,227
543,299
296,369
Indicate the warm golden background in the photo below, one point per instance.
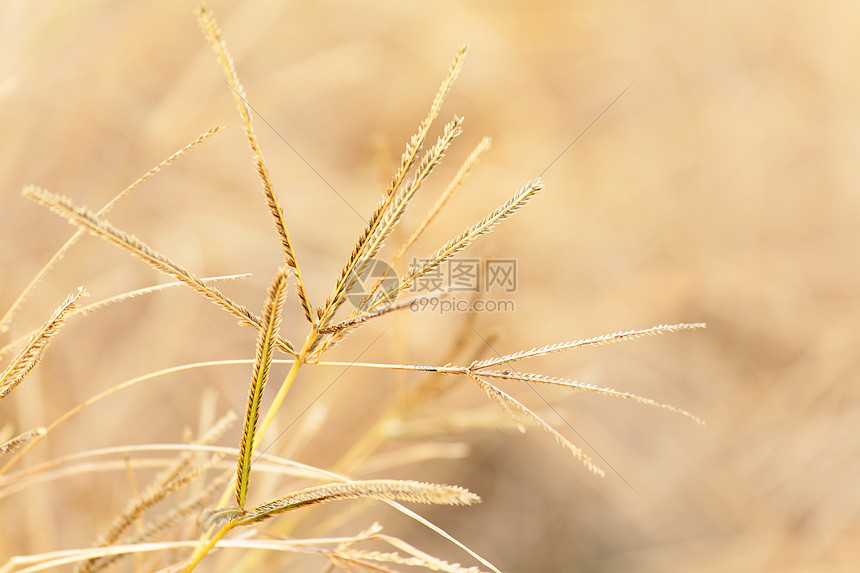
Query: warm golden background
722,187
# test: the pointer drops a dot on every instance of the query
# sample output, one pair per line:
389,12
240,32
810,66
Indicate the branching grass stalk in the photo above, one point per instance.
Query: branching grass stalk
206,544
323,333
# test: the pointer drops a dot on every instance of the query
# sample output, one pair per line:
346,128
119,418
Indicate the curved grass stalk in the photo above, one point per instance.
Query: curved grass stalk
61,252
119,298
104,394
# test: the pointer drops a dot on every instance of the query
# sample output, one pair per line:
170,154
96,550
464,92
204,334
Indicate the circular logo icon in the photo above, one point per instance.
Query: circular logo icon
374,282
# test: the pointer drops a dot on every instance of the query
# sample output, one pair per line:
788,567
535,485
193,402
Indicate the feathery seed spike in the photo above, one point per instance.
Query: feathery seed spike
86,219
594,341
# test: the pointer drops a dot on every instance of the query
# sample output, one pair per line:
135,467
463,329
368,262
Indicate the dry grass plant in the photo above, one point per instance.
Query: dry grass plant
199,460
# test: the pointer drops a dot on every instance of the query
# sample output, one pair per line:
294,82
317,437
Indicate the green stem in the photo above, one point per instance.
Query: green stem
203,550
285,387
207,545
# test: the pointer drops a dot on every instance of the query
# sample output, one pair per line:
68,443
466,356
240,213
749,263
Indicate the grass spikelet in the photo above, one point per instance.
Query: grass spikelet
61,252
200,139
86,219
212,32
148,290
173,517
21,440
550,380
343,327
460,178
594,341
398,206
414,145
262,365
508,403
31,354
428,162
364,246
466,238
394,490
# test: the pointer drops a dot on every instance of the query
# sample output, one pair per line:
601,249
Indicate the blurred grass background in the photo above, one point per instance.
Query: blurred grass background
722,187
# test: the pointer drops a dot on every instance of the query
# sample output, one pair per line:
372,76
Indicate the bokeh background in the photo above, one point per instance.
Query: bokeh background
722,187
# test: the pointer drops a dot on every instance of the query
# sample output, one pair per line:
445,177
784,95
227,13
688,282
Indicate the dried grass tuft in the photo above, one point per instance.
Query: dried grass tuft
412,173
174,478
31,354
395,490
20,440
